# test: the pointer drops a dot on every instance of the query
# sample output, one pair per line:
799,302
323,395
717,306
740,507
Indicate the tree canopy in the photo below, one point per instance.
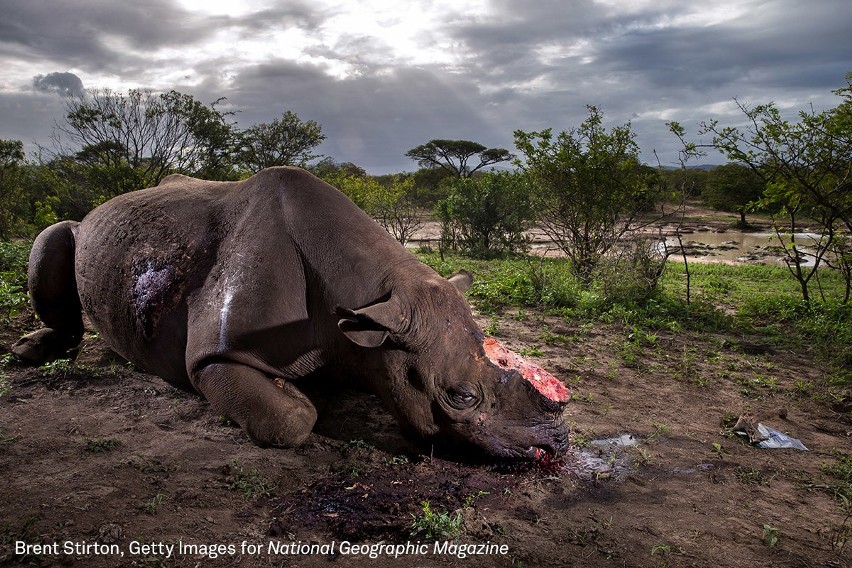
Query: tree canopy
588,186
486,214
286,141
11,158
146,135
732,187
453,156
806,166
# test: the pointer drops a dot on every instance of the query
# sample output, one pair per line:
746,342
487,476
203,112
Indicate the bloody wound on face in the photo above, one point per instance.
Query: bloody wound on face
544,382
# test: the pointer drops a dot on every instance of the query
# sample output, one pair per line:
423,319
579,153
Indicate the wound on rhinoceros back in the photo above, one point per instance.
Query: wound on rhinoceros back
544,382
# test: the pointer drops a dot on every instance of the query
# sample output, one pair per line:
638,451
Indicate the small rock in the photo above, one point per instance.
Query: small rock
109,533
475,524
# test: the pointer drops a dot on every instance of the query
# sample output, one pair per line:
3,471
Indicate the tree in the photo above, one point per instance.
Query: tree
733,187
394,208
11,160
141,137
453,156
682,178
807,169
588,187
360,189
389,201
286,141
487,214
329,168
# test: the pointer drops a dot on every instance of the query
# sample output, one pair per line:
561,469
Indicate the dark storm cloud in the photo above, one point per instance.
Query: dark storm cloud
543,64
772,42
79,33
370,120
789,48
28,118
66,84
527,65
91,34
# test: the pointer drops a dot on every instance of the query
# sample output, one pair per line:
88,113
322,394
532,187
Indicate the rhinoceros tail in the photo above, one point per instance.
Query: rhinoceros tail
53,291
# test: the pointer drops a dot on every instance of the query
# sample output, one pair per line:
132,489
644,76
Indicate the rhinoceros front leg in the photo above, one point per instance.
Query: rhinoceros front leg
273,412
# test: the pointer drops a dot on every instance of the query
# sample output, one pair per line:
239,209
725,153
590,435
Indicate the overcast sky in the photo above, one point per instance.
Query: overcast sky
383,77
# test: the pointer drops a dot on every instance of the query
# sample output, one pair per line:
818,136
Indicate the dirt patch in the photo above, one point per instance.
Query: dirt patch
119,462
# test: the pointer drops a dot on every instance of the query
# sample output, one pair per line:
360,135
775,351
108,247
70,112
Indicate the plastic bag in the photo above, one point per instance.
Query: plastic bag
775,439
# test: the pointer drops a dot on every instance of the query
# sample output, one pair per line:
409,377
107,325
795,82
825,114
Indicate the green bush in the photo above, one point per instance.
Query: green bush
486,214
13,278
632,275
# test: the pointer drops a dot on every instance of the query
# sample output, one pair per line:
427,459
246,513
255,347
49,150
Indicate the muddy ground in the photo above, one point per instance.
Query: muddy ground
113,456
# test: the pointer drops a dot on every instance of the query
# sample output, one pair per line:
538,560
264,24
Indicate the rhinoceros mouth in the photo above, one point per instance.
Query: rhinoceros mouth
537,453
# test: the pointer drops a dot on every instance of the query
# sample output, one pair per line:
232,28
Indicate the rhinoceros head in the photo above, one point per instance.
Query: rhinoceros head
446,381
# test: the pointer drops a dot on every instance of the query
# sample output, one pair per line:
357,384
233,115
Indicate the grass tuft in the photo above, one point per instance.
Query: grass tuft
431,524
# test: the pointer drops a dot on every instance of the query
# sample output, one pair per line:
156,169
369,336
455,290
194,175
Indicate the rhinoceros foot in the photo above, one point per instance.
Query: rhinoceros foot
41,346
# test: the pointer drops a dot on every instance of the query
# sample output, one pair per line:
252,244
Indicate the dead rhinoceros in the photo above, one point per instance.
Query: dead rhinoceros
242,291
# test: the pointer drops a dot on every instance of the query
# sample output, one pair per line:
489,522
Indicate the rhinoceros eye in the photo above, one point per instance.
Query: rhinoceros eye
462,397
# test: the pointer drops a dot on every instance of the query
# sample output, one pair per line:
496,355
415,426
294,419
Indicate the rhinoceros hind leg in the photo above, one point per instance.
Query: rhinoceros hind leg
273,412
40,346
53,290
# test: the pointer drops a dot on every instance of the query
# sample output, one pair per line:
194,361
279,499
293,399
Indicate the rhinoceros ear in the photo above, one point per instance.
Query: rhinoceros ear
370,326
461,280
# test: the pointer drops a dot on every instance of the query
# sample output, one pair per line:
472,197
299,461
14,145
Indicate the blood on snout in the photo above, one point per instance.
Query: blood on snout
541,380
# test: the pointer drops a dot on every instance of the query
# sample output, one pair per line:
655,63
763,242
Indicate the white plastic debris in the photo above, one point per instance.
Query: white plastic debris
775,439
623,440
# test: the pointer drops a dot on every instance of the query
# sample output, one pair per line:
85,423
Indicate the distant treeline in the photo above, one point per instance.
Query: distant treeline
584,186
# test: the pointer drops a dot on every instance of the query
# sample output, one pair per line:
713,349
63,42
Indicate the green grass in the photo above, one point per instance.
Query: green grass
5,385
431,524
513,281
152,507
841,471
13,278
771,535
762,300
66,370
251,483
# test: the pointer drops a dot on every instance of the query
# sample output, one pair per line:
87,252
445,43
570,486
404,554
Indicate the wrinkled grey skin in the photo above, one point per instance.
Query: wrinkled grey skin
241,291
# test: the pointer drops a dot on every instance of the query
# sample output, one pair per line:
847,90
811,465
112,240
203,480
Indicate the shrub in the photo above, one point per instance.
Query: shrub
486,214
13,278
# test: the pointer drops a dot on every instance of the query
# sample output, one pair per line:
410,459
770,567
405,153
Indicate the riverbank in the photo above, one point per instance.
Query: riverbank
707,236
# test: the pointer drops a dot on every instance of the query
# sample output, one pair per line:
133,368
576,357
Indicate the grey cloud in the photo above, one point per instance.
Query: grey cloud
635,66
77,31
28,118
66,84
88,34
369,120
285,15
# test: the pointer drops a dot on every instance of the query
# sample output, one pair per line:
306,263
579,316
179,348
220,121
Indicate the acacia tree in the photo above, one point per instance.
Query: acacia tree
143,136
807,168
454,156
588,187
286,141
